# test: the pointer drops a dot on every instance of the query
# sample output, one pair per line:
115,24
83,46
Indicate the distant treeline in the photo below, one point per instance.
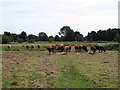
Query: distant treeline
65,34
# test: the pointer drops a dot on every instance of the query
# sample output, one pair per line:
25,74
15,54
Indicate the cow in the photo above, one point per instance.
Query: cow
62,48
32,46
85,48
51,49
27,46
78,48
70,47
9,46
100,48
93,49
66,49
38,46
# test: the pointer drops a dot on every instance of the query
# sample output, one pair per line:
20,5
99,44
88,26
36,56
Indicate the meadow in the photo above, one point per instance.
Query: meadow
24,68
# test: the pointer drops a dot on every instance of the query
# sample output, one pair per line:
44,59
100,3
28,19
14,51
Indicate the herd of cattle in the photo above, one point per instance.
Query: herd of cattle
62,48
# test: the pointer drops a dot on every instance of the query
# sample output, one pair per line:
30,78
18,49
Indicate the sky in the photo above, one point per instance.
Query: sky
49,16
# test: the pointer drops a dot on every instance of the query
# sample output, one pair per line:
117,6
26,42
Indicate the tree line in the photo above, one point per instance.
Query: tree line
65,34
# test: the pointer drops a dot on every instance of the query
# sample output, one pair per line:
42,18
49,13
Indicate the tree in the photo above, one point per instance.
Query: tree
67,33
50,39
31,41
5,39
7,34
117,38
23,36
57,38
32,37
43,36
78,36
20,40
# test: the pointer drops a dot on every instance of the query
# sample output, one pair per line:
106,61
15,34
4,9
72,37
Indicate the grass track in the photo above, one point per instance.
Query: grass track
74,70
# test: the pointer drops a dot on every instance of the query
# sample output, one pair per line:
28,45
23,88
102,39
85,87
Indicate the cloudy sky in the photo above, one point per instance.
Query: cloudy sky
34,16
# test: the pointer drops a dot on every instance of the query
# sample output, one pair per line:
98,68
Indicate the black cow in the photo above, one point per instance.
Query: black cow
100,48
85,48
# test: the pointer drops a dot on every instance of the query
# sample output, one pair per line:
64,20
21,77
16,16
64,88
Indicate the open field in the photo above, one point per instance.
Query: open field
37,69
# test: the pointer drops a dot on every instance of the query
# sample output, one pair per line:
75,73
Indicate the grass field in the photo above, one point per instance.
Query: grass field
37,69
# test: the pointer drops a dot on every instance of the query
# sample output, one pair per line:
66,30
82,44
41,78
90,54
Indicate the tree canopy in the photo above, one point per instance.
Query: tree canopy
65,34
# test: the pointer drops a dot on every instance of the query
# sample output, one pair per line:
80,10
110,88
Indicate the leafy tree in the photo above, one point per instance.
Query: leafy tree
78,36
43,36
67,33
31,41
20,40
50,38
23,36
57,38
7,34
32,37
117,38
5,39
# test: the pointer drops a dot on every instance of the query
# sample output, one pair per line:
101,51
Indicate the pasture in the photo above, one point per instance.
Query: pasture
24,68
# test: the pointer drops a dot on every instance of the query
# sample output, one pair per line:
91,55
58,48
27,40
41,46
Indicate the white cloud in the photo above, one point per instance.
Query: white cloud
50,15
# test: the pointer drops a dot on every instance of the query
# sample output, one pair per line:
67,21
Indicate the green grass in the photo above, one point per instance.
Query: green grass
20,48
74,70
58,42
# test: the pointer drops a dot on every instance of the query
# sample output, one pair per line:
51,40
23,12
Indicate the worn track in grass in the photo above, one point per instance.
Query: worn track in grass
25,69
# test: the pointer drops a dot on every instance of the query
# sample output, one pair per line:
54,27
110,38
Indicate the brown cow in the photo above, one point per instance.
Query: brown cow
27,46
93,48
9,46
32,46
70,47
78,48
66,49
51,49
38,46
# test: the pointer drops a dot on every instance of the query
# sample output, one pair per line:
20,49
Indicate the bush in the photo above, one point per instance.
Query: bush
20,40
112,47
51,40
5,39
31,41
117,38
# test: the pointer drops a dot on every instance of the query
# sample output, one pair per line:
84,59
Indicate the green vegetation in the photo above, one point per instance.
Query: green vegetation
65,34
21,48
74,70
5,39
112,47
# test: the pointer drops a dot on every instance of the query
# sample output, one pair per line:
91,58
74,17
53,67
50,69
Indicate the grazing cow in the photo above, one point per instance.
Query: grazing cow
76,48
93,48
85,48
66,49
69,48
100,48
38,46
27,46
62,47
51,49
9,46
32,47
80,48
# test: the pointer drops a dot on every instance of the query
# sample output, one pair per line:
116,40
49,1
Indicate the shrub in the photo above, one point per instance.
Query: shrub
5,39
31,41
20,40
112,47
51,40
